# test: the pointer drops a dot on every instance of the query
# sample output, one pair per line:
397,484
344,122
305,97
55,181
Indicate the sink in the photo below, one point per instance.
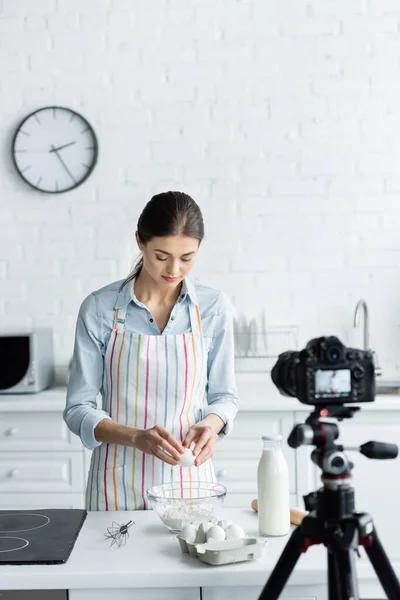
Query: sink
387,386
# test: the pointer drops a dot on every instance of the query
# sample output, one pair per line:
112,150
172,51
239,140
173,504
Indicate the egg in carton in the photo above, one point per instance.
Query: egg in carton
192,534
219,544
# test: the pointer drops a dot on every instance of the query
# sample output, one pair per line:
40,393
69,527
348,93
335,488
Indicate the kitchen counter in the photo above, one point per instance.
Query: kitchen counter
255,390
152,558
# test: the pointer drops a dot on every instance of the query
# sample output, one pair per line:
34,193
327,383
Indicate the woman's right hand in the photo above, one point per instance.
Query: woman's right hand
159,442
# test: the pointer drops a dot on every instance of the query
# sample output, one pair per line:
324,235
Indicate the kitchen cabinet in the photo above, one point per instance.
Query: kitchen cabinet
21,501
236,457
253,593
41,471
35,430
376,482
137,594
42,464
33,595
212,593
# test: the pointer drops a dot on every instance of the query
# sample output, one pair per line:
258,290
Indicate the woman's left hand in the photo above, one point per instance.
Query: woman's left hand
204,438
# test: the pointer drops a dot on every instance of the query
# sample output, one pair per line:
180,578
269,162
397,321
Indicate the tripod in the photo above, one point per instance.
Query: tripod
332,520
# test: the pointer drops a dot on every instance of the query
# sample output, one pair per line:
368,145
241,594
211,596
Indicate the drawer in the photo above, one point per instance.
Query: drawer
236,457
22,501
240,475
237,474
290,592
150,593
254,424
239,461
244,499
36,431
41,472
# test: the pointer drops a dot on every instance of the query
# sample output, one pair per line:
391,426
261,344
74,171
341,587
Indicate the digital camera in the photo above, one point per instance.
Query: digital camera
326,373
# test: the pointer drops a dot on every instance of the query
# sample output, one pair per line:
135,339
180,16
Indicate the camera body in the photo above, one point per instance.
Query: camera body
326,373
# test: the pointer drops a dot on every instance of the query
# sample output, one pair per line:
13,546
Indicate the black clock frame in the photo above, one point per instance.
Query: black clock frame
95,152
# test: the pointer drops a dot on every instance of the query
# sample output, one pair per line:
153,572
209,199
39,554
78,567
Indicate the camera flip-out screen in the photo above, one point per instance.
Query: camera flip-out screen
332,383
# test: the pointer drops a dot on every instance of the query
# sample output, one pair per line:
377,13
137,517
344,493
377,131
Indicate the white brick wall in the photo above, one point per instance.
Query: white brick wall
281,118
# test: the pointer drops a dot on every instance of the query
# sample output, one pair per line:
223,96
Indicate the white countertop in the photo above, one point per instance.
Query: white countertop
255,390
152,558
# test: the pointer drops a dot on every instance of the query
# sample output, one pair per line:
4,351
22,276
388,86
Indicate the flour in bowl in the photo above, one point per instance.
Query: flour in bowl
175,517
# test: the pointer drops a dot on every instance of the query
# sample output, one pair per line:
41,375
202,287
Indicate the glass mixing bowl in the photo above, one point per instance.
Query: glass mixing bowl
177,504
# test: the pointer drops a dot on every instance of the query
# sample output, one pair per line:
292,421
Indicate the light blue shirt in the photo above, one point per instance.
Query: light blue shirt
93,331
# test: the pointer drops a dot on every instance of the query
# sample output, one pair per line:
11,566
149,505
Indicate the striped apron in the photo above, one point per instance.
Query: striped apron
148,380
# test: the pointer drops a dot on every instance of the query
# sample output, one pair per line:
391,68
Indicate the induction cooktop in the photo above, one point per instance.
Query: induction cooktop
38,536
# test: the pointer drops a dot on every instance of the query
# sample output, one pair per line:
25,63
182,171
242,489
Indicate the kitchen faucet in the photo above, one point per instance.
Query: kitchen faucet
362,307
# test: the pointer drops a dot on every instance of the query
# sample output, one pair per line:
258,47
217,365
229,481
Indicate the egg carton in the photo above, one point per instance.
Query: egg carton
225,552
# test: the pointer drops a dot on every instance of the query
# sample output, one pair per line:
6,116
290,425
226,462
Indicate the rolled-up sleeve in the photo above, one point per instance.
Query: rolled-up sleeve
81,413
222,396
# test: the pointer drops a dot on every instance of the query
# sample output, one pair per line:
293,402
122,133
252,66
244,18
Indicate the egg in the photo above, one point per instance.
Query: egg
224,524
187,458
202,532
234,532
216,534
189,533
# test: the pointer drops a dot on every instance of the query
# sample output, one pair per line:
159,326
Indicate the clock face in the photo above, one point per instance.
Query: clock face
55,149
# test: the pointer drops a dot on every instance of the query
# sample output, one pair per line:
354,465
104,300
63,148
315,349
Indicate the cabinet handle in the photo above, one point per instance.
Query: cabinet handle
11,431
221,473
13,473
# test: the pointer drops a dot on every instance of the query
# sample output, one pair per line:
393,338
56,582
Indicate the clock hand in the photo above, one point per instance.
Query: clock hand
63,163
61,147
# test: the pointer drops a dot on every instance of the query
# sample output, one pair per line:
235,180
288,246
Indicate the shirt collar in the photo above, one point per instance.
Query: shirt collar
127,294
188,289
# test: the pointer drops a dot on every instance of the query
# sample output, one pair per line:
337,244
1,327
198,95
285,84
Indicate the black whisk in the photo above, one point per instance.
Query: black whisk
118,533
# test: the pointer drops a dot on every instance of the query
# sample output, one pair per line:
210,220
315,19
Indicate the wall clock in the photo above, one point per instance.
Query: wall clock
54,149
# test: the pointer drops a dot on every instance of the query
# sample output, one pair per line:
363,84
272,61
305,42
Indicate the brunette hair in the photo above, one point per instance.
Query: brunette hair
168,213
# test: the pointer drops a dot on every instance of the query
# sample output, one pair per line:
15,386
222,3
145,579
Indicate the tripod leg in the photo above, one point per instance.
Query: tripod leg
283,567
383,568
342,579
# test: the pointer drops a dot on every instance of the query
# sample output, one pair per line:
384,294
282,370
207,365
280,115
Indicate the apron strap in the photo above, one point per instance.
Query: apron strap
195,320
119,318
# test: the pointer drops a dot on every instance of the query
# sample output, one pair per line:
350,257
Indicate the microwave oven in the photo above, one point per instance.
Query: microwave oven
26,361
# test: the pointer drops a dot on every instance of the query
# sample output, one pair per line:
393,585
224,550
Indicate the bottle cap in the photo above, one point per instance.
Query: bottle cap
274,437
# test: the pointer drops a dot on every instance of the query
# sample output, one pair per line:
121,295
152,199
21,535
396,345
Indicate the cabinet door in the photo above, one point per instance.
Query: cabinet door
21,501
41,472
236,457
33,595
138,594
376,482
41,430
253,593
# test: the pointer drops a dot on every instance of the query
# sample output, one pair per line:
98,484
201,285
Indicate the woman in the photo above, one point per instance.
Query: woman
159,349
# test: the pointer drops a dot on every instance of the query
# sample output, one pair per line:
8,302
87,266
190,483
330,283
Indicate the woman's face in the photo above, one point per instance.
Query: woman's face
169,259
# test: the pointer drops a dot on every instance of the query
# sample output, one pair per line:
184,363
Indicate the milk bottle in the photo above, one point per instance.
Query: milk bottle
273,488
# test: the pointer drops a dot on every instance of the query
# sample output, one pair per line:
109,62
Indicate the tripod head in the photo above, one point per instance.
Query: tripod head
329,456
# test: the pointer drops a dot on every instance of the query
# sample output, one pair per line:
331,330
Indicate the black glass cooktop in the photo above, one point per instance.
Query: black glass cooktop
38,536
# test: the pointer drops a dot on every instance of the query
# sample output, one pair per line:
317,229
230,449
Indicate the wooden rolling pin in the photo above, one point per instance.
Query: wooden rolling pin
296,515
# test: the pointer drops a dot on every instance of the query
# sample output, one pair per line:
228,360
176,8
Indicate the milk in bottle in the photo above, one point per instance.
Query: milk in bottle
273,489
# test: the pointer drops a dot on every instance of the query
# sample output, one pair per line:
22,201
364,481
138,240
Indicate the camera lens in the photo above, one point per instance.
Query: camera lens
283,375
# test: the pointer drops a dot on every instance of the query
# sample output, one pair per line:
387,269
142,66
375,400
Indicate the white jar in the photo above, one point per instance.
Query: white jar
273,489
